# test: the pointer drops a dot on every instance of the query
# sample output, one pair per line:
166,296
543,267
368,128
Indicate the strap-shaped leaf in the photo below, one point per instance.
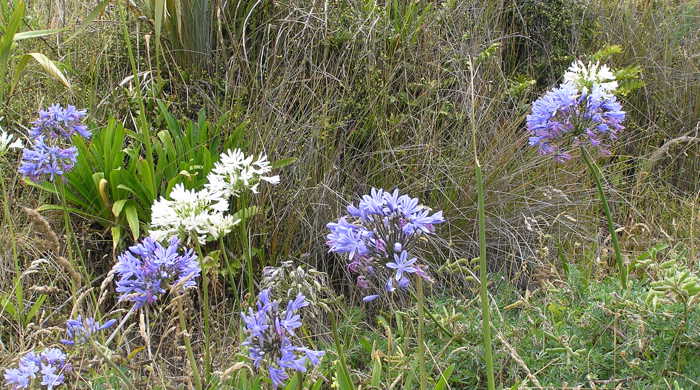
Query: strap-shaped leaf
118,206
132,218
35,34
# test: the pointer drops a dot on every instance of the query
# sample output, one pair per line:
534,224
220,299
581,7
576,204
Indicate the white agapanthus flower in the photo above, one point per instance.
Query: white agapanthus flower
583,76
235,172
198,215
8,141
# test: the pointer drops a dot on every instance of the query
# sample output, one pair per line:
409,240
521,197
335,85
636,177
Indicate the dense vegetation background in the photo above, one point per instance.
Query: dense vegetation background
365,94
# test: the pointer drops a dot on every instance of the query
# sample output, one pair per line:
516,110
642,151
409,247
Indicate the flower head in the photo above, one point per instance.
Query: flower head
45,161
79,330
235,172
584,76
51,153
190,214
382,228
147,269
57,121
7,142
582,110
270,337
51,364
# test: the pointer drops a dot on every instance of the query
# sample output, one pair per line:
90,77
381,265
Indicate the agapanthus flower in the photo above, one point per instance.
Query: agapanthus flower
377,236
51,364
585,76
45,161
148,269
190,214
573,114
57,121
79,330
7,142
235,173
51,153
271,338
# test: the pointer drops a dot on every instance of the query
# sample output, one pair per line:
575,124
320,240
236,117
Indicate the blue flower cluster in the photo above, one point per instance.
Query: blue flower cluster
383,228
145,270
51,154
572,115
51,364
57,122
269,331
79,331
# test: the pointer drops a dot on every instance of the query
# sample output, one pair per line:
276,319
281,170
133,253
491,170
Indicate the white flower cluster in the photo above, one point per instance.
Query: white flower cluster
583,76
236,172
203,215
7,142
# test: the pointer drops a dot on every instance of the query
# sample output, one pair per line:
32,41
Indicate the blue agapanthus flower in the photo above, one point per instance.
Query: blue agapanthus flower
43,161
51,364
51,153
57,121
79,330
271,337
569,115
381,230
148,269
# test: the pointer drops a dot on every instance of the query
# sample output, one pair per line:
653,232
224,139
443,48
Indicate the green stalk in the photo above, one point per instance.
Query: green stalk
300,381
7,219
71,235
598,177
422,375
144,126
207,314
483,269
483,279
104,353
188,346
245,241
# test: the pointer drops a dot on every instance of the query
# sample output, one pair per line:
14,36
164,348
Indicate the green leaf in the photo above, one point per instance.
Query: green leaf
8,306
246,213
34,309
284,162
376,371
159,16
342,376
132,218
19,68
118,206
35,34
116,236
6,43
444,377
55,207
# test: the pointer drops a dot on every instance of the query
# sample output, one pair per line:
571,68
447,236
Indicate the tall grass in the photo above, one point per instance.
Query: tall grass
376,94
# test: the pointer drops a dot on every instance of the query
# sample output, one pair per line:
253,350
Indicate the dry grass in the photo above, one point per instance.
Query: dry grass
361,103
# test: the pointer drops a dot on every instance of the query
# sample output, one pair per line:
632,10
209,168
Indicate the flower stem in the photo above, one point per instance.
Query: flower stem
483,279
207,314
188,346
598,177
7,219
422,376
120,326
483,269
69,232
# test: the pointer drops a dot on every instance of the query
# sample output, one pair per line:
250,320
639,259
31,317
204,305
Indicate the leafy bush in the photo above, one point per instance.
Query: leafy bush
548,35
